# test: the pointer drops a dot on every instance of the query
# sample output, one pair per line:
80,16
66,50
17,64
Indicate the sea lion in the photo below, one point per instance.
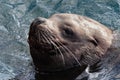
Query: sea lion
63,45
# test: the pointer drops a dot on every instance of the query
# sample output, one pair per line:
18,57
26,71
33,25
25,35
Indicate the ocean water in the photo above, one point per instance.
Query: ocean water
15,19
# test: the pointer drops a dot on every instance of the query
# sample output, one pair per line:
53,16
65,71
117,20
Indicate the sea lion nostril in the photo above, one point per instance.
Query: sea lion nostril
39,20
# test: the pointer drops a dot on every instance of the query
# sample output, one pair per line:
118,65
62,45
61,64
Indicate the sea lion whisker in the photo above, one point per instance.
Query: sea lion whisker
60,53
37,34
46,38
40,36
72,55
64,47
58,43
57,49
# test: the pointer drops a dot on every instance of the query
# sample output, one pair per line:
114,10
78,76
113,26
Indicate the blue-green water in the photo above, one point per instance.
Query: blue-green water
15,19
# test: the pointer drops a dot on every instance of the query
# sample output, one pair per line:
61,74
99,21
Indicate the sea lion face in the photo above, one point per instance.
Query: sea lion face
67,40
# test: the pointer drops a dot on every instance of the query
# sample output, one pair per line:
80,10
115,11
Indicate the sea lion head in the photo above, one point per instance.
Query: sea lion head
67,40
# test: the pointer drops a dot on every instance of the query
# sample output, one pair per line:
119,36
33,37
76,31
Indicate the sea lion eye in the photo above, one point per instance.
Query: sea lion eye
68,32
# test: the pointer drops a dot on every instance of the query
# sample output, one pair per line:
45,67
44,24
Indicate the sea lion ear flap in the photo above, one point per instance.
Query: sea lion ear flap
94,41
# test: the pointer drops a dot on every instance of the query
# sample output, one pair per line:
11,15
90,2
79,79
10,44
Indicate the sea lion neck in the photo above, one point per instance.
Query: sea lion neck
67,74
